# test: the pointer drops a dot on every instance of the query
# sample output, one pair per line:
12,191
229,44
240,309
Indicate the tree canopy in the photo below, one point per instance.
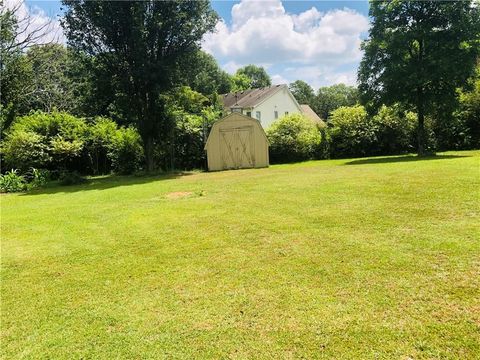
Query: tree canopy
418,53
303,92
205,76
143,44
332,97
258,76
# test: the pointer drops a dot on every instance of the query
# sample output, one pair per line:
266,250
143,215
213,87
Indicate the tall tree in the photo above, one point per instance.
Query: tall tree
418,53
303,92
257,74
330,98
241,82
143,44
206,76
19,31
51,87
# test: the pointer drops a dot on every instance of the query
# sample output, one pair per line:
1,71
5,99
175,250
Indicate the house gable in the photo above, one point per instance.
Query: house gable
266,104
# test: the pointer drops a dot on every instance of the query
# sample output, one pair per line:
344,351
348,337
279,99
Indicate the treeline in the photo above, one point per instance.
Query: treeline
352,130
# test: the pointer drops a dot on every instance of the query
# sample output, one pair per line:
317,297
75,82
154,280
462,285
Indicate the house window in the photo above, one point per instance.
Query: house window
258,115
275,114
249,113
286,112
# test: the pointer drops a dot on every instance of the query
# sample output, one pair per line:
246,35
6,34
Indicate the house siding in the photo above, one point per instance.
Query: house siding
281,101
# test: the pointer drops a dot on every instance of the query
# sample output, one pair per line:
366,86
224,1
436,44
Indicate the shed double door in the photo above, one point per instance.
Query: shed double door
237,147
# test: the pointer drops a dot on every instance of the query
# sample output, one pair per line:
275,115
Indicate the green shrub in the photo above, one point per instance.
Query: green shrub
391,131
63,143
126,151
41,140
23,149
63,150
37,178
352,132
52,124
294,138
12,182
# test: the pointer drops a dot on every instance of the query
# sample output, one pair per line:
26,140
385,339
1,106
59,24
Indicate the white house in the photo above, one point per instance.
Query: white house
266,104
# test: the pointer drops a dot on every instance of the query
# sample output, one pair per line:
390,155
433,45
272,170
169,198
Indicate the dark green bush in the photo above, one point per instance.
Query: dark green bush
461,130
395,131
294,138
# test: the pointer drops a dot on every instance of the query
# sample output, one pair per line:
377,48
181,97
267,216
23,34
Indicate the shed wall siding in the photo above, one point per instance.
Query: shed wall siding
213,146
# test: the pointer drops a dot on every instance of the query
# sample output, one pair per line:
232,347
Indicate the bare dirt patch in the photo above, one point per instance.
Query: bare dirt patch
178,194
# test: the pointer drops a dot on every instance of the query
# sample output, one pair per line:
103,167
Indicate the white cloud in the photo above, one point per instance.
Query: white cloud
307,19
231,66
320,75
34,22
264,33
278,79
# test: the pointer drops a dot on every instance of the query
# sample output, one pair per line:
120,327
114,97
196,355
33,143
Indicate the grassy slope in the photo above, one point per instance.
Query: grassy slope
319,259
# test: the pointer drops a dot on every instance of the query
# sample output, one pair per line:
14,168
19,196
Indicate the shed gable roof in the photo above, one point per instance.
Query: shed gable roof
232,117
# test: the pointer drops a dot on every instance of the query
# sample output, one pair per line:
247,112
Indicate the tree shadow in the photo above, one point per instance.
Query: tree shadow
404,158
106,182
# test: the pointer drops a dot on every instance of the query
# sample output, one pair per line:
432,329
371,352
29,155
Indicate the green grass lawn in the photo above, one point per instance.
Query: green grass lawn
344,259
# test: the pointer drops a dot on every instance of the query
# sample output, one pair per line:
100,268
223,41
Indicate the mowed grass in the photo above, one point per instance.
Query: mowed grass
344,259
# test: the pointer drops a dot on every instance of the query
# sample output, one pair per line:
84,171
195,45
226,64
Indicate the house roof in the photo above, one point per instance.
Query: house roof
312,115
250,98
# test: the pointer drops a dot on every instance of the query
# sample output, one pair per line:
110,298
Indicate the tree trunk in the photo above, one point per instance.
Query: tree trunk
421,129
421,139
148,148
421,143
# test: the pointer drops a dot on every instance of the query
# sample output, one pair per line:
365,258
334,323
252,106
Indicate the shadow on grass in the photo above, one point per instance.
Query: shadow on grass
405,158
106,182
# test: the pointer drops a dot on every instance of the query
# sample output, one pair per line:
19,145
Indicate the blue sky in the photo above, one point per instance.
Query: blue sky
315,41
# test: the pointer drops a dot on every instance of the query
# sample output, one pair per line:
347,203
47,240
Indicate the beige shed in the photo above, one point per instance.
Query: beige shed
236,142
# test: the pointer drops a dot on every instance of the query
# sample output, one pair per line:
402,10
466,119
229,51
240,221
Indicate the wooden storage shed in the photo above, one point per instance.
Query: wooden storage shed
236,142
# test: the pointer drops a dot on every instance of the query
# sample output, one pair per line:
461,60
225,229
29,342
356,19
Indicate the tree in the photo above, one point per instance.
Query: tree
302,92
47,77
142,43
50,87
206,77
461,130
332,97
241,82
418,53
18,32
257,75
